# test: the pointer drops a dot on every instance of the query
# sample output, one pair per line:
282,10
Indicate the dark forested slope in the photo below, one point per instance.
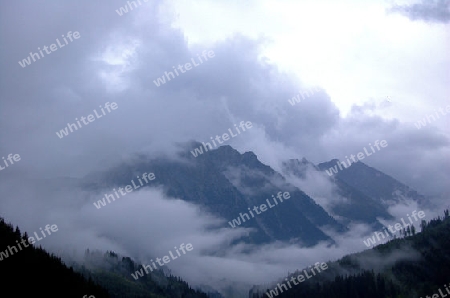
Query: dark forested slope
45,275
30,271
414,266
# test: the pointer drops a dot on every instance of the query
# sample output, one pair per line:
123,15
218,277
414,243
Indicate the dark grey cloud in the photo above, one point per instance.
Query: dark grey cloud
436,11
233,86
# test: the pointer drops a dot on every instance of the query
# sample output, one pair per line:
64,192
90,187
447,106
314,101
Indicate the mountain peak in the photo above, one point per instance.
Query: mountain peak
249,155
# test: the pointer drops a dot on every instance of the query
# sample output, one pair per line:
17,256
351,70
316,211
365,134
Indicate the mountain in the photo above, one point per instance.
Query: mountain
40,272
366,192
357,207
373,183
415,266
227,183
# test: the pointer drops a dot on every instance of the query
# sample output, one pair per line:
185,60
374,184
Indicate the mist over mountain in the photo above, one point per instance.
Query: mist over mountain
372,182
229,184
352,206
206,140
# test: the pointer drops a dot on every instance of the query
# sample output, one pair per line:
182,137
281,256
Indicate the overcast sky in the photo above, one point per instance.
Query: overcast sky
381,66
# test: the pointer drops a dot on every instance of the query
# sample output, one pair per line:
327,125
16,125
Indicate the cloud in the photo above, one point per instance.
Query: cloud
119,61
319,187
433,11
146,224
